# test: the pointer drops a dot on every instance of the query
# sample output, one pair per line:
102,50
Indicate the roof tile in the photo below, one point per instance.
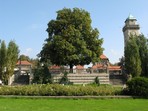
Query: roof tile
23,63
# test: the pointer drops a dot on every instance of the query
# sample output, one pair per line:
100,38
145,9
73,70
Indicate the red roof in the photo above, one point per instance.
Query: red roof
23,63
58,67
54,67
79,67
113,68
103,56
97,66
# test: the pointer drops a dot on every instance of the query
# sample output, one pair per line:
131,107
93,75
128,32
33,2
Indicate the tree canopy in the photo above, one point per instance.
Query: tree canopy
142,43
132,58
3,54
8,59
71,39
24,57
136,56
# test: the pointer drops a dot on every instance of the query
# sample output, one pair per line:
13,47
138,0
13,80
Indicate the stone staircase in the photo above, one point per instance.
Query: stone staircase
117,79
83,78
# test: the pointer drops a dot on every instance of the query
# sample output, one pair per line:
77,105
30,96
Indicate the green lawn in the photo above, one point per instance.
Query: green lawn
11,104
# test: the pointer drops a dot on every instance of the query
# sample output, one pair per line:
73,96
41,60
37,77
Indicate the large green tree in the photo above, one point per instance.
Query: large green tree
132,58
135,51
142,43
71,39
8,59
11,58
42,74
3,61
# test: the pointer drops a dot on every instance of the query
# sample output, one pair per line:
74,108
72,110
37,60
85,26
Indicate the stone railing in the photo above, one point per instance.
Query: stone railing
79,71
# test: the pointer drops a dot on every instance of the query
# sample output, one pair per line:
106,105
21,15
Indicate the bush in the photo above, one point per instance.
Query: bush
59,90
97,81
65,80
42,75
138,87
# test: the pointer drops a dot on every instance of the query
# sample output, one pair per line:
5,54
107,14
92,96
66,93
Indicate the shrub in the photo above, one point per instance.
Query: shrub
42,75
138,87
59,90
97,81
65,80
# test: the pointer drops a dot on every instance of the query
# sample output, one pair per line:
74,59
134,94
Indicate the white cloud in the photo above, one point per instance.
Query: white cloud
35,26
114,55
114,52
28,51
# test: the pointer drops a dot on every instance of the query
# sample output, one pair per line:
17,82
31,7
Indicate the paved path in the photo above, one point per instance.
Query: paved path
70,97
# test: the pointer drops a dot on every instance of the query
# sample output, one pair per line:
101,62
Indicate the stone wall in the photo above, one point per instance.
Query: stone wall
83,78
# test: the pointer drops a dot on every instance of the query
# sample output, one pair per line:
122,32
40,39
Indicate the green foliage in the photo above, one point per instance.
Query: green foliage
42,75
24,58
3,53
97,81
59,90
132,58
37,75
12,57
142,43
64,79
8,59
138,87
72,40
47,75
136,56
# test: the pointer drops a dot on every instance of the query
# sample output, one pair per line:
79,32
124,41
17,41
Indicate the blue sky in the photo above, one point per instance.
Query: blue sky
25,21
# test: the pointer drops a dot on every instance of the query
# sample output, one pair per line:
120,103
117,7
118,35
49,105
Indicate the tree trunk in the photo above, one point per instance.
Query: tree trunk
71,68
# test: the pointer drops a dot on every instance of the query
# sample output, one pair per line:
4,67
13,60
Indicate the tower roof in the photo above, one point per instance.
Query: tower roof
130,17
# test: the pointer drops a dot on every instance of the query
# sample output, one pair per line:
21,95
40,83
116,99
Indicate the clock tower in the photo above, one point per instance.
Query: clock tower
131,28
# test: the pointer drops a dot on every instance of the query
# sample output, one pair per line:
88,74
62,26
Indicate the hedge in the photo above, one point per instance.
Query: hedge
59,90
137,87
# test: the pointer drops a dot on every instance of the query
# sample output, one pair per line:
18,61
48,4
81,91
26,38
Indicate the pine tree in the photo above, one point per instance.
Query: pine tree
12,57
3,61
132,58
142,43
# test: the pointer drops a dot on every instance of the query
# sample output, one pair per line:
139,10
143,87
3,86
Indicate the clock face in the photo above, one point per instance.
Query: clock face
133,33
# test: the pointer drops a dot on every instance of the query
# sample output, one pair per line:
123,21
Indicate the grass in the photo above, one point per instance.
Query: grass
12,104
